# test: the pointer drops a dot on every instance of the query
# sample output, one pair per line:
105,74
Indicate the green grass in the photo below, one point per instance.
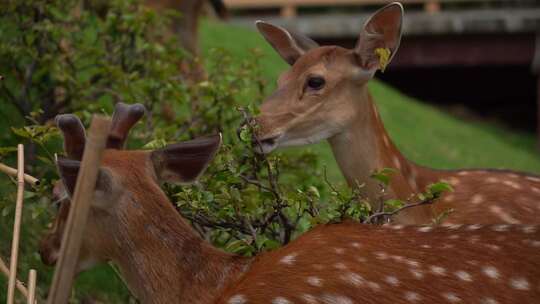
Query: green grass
423,133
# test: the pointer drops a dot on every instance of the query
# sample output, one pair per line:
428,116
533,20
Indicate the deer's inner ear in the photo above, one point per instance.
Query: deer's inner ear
185,162
383,30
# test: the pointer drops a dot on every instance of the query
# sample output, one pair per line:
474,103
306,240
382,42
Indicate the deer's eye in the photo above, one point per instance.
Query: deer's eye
315,82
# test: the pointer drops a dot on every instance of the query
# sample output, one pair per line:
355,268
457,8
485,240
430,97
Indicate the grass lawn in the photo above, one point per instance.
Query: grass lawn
424,134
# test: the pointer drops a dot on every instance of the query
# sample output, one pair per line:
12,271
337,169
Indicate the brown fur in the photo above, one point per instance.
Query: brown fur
354,263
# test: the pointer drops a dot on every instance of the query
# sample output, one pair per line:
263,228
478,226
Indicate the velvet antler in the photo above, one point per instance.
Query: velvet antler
74,135
124,118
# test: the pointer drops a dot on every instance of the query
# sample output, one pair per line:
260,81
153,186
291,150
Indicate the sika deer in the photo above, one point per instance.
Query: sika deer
162,259
324,95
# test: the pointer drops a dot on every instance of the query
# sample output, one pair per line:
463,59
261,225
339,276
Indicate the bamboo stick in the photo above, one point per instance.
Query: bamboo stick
32,280
20,286
80,205
16,226
13,172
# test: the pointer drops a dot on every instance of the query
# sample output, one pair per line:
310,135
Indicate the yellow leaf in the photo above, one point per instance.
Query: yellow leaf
384,56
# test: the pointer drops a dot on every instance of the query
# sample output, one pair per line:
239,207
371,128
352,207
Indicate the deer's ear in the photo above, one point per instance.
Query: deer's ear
289,45
185,162
382,30
69,170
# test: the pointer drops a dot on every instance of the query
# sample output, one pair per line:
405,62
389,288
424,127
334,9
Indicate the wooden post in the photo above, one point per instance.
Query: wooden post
32,278
20,286
13,172
16,226
78,214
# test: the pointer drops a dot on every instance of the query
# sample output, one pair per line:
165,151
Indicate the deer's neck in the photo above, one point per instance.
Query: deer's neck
364,147
163,260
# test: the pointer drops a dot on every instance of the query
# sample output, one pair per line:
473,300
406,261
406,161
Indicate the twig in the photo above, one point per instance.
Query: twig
20,286
392,213
32,278
16,226
13,172
78,214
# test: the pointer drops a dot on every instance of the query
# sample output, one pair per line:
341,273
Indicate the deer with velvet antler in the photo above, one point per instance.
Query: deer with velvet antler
324,95
163,260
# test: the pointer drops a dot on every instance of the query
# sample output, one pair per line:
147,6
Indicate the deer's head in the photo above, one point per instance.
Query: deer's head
325,86
127,187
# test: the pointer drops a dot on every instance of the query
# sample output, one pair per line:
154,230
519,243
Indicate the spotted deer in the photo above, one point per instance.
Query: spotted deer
163,260
324,95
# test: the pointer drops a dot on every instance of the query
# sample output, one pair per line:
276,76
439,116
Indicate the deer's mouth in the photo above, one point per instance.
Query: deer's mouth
267,144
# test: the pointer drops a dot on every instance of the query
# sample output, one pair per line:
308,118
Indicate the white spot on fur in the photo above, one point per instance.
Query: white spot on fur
425,229
454,181
529,229
340,266
448,197
477,199
493,180
489,301
474,227
335,299
454,237
454,226
395,227
501,228
535,190
237,299
309,299
451,297
356,245
353,279
464,173
392,280
418,274
397,258
437,270
493,247
314,281
386,141
412,296
491,272
463,275
535,244
426,246
512,184
397,163
412,263
339,250
503,215
374,286
519,283
533,179
361,259
381,255
289,259
281,300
